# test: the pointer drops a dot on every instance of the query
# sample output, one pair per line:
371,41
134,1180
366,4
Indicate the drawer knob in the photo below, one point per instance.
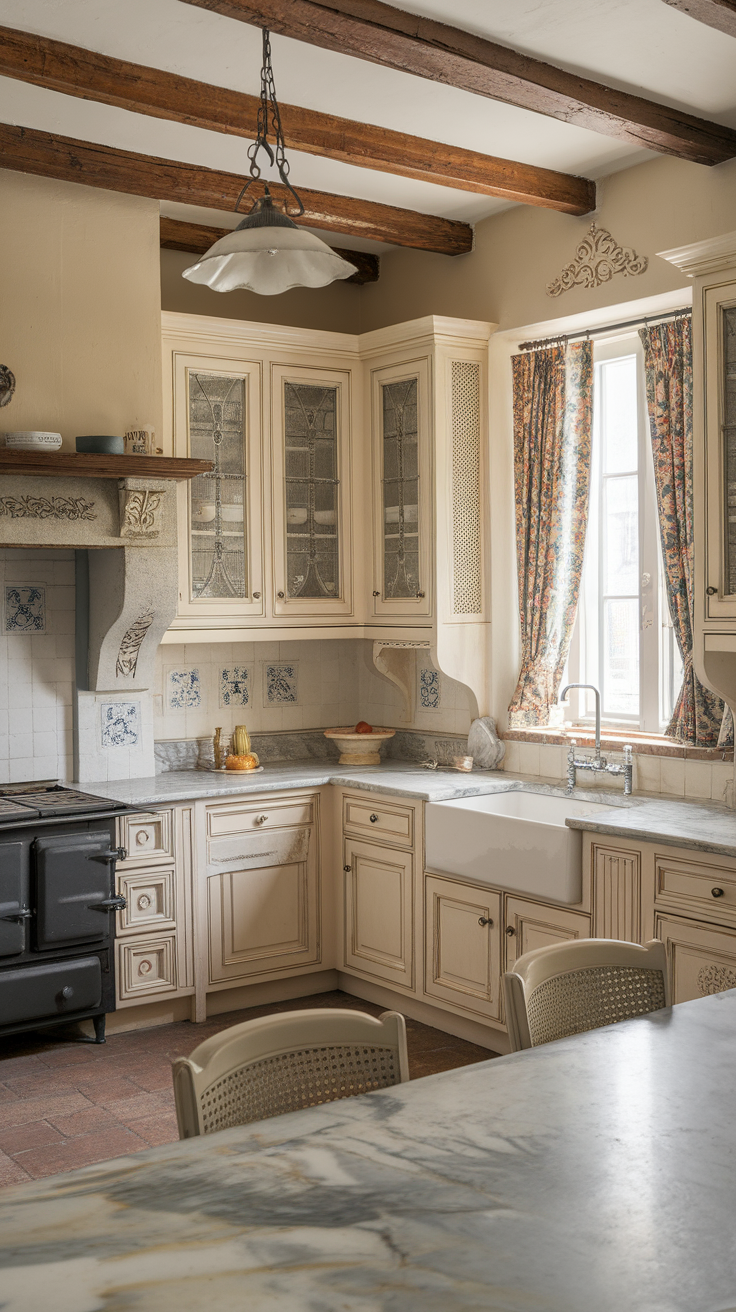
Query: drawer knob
280,596
144,902
67,992
484,920
717,892
142,837
257,596
510,931
347,869
376,594
373,819
421,594
711,591
261,819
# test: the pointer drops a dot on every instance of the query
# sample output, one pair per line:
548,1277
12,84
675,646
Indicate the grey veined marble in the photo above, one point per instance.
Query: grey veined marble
594,1174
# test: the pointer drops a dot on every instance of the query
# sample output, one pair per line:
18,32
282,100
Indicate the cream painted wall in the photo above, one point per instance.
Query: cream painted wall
80,311
335,308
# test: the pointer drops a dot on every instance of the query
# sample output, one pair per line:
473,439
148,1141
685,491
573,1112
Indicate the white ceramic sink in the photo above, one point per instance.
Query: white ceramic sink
515,840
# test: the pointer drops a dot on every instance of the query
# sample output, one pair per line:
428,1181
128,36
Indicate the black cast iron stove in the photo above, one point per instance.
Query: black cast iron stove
57,904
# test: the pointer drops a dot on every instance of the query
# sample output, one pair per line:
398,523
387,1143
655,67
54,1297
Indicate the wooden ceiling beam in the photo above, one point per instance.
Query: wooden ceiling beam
720,14
372,30
92,165
92,76
198,237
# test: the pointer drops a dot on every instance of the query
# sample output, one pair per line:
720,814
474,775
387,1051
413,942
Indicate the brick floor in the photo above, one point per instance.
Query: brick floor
65,1104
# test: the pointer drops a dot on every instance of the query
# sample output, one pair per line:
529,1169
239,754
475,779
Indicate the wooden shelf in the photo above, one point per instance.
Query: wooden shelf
75,465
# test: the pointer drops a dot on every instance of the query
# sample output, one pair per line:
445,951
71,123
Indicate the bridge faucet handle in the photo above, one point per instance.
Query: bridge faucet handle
628,753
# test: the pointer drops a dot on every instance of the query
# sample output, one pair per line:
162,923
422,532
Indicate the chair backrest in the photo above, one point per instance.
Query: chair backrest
567,988
284,1062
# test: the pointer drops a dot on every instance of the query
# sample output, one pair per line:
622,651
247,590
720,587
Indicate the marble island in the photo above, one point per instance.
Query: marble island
590,1175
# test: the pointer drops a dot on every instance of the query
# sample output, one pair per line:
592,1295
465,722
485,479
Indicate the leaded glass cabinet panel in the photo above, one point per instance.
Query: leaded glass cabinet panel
400,439
310,448
728,385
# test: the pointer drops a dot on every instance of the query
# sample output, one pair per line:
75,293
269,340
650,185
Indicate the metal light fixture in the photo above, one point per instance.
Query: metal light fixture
268,253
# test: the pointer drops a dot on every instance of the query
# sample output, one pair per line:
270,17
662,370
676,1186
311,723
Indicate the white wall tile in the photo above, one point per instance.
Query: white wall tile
648,770
672,775
698,778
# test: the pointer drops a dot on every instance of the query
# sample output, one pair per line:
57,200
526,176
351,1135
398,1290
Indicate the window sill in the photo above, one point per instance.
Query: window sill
612,740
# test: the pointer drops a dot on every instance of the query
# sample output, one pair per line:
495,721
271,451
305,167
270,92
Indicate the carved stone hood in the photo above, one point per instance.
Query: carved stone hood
129,525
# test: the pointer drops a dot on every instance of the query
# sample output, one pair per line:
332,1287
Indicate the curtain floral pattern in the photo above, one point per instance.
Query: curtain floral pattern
553,392
698,714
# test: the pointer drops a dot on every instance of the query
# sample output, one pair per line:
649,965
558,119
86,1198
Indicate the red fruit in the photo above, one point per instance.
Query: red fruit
362,727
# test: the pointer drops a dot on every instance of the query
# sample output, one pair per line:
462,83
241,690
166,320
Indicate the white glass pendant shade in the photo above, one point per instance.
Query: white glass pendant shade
268,260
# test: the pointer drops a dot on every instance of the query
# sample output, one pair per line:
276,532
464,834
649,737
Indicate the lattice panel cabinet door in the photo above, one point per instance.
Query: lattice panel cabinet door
531,925
463,946
311,491
702,957
217,417
379,912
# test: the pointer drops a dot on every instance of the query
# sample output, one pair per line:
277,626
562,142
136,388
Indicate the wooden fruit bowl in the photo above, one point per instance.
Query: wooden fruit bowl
359,748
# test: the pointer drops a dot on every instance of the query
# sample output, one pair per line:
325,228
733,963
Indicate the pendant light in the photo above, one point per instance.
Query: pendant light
268,252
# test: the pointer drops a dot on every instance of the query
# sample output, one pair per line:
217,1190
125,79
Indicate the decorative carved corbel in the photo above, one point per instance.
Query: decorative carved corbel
140,507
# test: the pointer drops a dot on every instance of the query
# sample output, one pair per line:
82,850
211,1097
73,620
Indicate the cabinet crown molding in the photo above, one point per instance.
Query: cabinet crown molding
703,257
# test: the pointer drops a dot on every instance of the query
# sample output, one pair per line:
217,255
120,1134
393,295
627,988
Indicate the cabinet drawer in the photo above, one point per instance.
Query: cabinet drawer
253,851
146,838
146,966
258,816
395,824
692,887
702,958
150,895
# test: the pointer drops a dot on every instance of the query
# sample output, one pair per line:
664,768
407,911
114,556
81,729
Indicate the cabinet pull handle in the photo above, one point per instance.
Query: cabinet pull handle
711,591
484,920
257,596
261,819
510,931
373,818
347,869
280,596
717,892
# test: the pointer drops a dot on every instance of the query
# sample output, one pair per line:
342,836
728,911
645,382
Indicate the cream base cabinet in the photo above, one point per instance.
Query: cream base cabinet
702,957
531,925
379,912
463,946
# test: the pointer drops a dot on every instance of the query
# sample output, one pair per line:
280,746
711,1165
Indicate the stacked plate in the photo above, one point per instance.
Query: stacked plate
33,441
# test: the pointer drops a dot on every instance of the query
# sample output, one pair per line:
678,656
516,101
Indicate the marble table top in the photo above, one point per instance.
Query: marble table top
595,1174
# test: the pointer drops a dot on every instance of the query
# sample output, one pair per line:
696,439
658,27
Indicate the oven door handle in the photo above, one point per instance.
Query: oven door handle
111,856
13,911
115,903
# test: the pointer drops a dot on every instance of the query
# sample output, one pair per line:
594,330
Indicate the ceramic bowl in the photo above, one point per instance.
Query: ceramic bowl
359,748
100,446
33,441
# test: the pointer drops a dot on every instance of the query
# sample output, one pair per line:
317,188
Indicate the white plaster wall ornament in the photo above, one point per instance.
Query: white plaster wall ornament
130,645
598,259
484,744
70,508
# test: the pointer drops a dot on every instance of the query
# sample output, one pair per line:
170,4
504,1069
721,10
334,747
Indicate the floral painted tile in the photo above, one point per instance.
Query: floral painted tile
25,608
428,689
281,684
235,686
121,724
184,690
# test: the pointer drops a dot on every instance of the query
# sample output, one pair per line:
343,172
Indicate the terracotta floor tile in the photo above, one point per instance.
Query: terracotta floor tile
21,1065
154,1080
158,1129
37,1109
129,1110
104,1090
84,1122
6,1094
34,1134
81,1151
41,1086
11,1172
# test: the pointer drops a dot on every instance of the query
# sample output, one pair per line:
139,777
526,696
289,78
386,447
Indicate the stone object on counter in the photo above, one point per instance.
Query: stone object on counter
359,748
484,744
100,445
32,441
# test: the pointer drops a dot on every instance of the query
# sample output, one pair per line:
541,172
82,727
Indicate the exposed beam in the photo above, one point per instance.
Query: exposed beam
720,14
197,238
30,151
91,76
372,30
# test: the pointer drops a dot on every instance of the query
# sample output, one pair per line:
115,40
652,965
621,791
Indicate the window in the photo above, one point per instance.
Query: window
623,641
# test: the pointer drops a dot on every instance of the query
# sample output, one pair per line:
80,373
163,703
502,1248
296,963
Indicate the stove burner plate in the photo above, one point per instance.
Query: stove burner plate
61,801
13,810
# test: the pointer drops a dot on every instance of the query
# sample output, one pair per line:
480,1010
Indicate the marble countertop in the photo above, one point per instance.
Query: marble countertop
702,826
594,1174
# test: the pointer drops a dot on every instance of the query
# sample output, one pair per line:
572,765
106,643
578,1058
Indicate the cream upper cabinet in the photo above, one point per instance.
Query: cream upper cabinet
310,482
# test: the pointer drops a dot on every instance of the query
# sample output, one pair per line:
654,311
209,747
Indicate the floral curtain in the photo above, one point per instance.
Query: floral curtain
699,713
553,392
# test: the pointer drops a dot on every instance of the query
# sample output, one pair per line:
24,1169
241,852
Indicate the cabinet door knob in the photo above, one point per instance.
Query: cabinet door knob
711,591
376,594
510,931
373,819
280,596
261,819
257,596
484,920
347,869
420,594
717,892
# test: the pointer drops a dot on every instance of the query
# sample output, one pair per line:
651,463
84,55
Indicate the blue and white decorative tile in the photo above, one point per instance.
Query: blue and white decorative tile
428,689
25,608
235,684
184,690
121,724
281,684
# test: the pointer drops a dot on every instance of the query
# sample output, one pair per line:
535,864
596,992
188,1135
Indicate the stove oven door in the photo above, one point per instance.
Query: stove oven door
14,909
74,875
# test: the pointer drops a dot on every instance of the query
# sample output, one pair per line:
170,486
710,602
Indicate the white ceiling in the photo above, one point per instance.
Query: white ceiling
643,46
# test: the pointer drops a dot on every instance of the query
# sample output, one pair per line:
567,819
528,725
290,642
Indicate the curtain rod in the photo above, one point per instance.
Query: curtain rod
644,321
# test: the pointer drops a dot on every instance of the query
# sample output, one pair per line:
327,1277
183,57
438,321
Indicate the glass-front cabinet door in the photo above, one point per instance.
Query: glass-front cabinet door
402,559
311,491
217,417
720,453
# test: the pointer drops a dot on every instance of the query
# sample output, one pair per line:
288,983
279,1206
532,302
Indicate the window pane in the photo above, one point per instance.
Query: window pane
621,656
217,500
621,519
618,415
